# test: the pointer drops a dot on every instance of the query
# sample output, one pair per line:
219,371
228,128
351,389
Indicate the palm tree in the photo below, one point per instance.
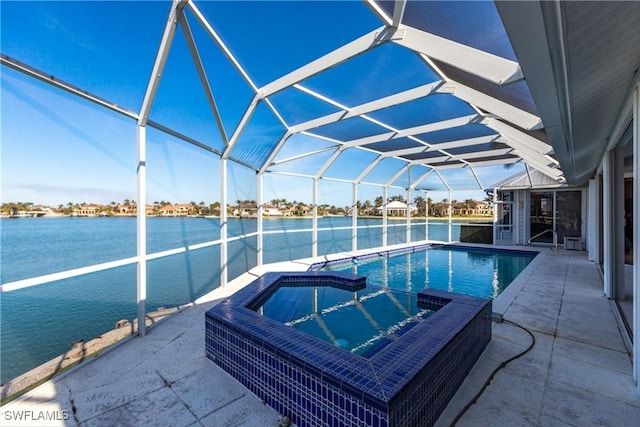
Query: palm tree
420,204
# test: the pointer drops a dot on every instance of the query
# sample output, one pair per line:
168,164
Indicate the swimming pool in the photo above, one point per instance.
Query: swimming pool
408,381
473,271
361,321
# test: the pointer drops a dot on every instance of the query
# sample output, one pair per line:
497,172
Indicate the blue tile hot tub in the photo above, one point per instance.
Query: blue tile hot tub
402,374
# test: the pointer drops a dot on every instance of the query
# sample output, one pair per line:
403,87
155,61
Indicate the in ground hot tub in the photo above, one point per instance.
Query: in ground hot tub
327,349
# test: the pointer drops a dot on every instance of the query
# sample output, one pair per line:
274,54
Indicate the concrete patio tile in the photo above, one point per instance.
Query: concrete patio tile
201,390
583,271
597,328
48,400
578,407
565,372
546,420
498,410
522,380
518,340
245,411
518,390
95,401
469,388
181,369
552,291
541,297
135,358
543,319
593,355
161,407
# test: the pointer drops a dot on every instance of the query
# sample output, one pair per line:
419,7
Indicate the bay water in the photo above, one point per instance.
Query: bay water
41,322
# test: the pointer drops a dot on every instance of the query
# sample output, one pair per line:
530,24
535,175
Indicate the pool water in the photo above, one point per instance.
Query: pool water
362,322
471,271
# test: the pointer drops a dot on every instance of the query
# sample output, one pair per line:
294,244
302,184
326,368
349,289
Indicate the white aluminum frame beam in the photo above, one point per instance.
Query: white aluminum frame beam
422,178
492,105
61,84
450,166
243,123
398,12
360,45
354,217
260,219
377,10
475,175
385,196
509,131
223,223
359,110
314,219
216,38
472,165
161,59
416,130
368,169
636,236
301,156
442,146
444,181
474,61
467,156
532,150
464,142
397,175
141,230
141,218
329,162
195,55
288,134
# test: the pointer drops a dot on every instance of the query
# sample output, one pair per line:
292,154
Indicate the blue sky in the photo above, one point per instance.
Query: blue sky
57,149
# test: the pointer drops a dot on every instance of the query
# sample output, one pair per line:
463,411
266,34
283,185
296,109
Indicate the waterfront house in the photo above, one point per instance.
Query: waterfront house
246,210
396,208
183,209
472,208
270,210
88,210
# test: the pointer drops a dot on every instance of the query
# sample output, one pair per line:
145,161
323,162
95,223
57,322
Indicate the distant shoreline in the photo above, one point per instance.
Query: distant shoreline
390,218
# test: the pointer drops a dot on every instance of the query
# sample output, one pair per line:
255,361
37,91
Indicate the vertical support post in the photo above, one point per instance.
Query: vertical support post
608,199
515,216
141,220
384,216
613,170
426,215
450,214
409,205
354,218
259,219
314,221
223,222
636,236
554,221
598,217
495,216
141,137
592,222
618,211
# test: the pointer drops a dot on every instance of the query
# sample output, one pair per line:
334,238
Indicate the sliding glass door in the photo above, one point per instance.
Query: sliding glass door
556,210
